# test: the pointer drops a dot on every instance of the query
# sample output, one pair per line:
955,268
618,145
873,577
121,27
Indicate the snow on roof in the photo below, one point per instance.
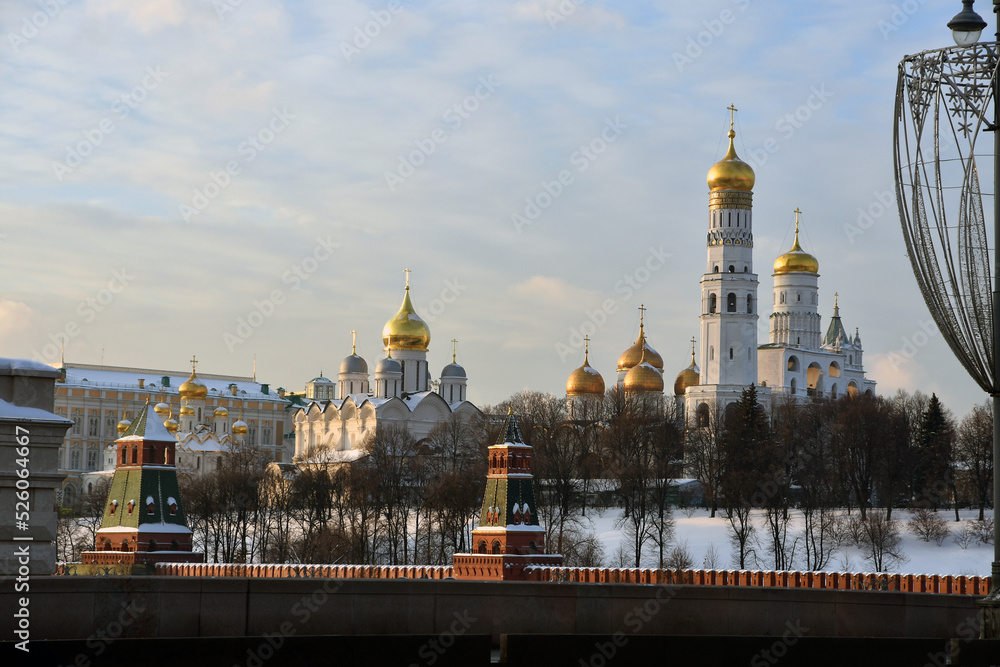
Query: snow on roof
90,375
336,456
144,427
22,413
12,366
147,528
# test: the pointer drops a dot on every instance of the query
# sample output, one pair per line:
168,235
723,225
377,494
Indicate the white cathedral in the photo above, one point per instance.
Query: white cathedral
798,361
332,425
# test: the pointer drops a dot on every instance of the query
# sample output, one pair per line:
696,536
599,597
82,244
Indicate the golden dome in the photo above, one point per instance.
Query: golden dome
123,425
731,173
406,331
162,409
643,378
221,412
172,425
796,259
193,389
689,377
640,351
187,410
585,381
240,427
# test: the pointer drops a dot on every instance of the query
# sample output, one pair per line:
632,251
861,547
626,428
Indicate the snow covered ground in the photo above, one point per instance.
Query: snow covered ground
700,533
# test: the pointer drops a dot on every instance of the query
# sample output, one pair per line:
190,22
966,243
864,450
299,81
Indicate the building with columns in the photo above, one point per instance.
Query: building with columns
332,424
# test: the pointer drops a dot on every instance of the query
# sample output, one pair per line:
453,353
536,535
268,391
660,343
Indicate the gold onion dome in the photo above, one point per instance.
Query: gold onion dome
796,259
640,351
240,427
161,409
643,378
123,425
585,380
172,426
406,330
689,377
221,412
187,410
193,388
731,173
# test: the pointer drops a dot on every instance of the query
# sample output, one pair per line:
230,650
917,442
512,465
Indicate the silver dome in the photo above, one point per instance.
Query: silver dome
354,364
388,365
453,371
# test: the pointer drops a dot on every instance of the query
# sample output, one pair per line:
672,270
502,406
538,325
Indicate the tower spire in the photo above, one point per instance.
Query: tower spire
454,350
354,342
692,350
407,271
732,117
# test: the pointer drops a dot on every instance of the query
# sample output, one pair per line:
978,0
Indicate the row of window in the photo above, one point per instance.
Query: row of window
730,303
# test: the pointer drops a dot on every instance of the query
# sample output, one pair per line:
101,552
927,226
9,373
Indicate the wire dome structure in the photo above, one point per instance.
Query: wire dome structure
944,103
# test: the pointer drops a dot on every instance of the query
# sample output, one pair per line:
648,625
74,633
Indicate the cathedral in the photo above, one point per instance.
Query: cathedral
332,425
799,361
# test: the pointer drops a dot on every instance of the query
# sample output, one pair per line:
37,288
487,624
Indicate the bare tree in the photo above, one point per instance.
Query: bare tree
974,453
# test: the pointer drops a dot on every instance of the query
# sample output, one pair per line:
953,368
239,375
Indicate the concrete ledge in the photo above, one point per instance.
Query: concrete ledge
80,607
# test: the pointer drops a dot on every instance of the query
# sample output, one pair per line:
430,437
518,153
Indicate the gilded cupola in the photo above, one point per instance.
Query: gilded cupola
406,330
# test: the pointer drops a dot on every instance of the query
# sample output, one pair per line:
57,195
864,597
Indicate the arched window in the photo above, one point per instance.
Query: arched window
532,548
131,505
793,364
730,353
152,546
798,297
711,353
496,546
749,304
730,411
711,303
732,269
746,269
833,390
482,546
702,415
793,384
124,545
715,269
135,454
175,545
852,388
834,371
782,297
114,506
731,302
107,544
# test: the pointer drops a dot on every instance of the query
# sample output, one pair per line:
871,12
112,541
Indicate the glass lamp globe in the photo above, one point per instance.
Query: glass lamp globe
967,25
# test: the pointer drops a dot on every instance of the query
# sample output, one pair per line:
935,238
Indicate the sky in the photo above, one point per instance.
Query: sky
241,178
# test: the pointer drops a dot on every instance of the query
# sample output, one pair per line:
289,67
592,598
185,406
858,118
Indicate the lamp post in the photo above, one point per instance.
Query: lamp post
955,90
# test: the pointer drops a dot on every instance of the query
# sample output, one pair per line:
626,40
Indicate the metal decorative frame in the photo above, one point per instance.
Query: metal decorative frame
944,101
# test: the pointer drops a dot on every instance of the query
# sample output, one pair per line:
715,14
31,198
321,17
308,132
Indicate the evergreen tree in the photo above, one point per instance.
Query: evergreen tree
932,478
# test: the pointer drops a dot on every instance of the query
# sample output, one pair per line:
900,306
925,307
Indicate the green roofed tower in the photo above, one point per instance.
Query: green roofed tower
509,537
143,520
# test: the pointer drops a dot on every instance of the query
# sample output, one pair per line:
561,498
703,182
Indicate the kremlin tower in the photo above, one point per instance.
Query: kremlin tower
143,520
508,538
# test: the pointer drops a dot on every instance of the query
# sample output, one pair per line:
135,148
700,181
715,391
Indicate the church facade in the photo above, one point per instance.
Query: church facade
798,361
336,418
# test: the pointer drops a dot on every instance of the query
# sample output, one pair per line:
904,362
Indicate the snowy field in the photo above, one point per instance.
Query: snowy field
701,533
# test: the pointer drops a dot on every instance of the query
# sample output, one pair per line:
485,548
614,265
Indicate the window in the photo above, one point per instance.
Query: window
793,364
131,506
74,459
711,353
267,433
732,269
175,545
93,425
793,385
716,269
711,303
114,506
731,302
782,297
152,546
746,269
702,415
749,304
730,353
77,421
135,454
798,297
110,425
496,546
92,459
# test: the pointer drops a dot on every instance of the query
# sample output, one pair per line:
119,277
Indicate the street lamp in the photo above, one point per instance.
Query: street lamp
967,25
946,100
